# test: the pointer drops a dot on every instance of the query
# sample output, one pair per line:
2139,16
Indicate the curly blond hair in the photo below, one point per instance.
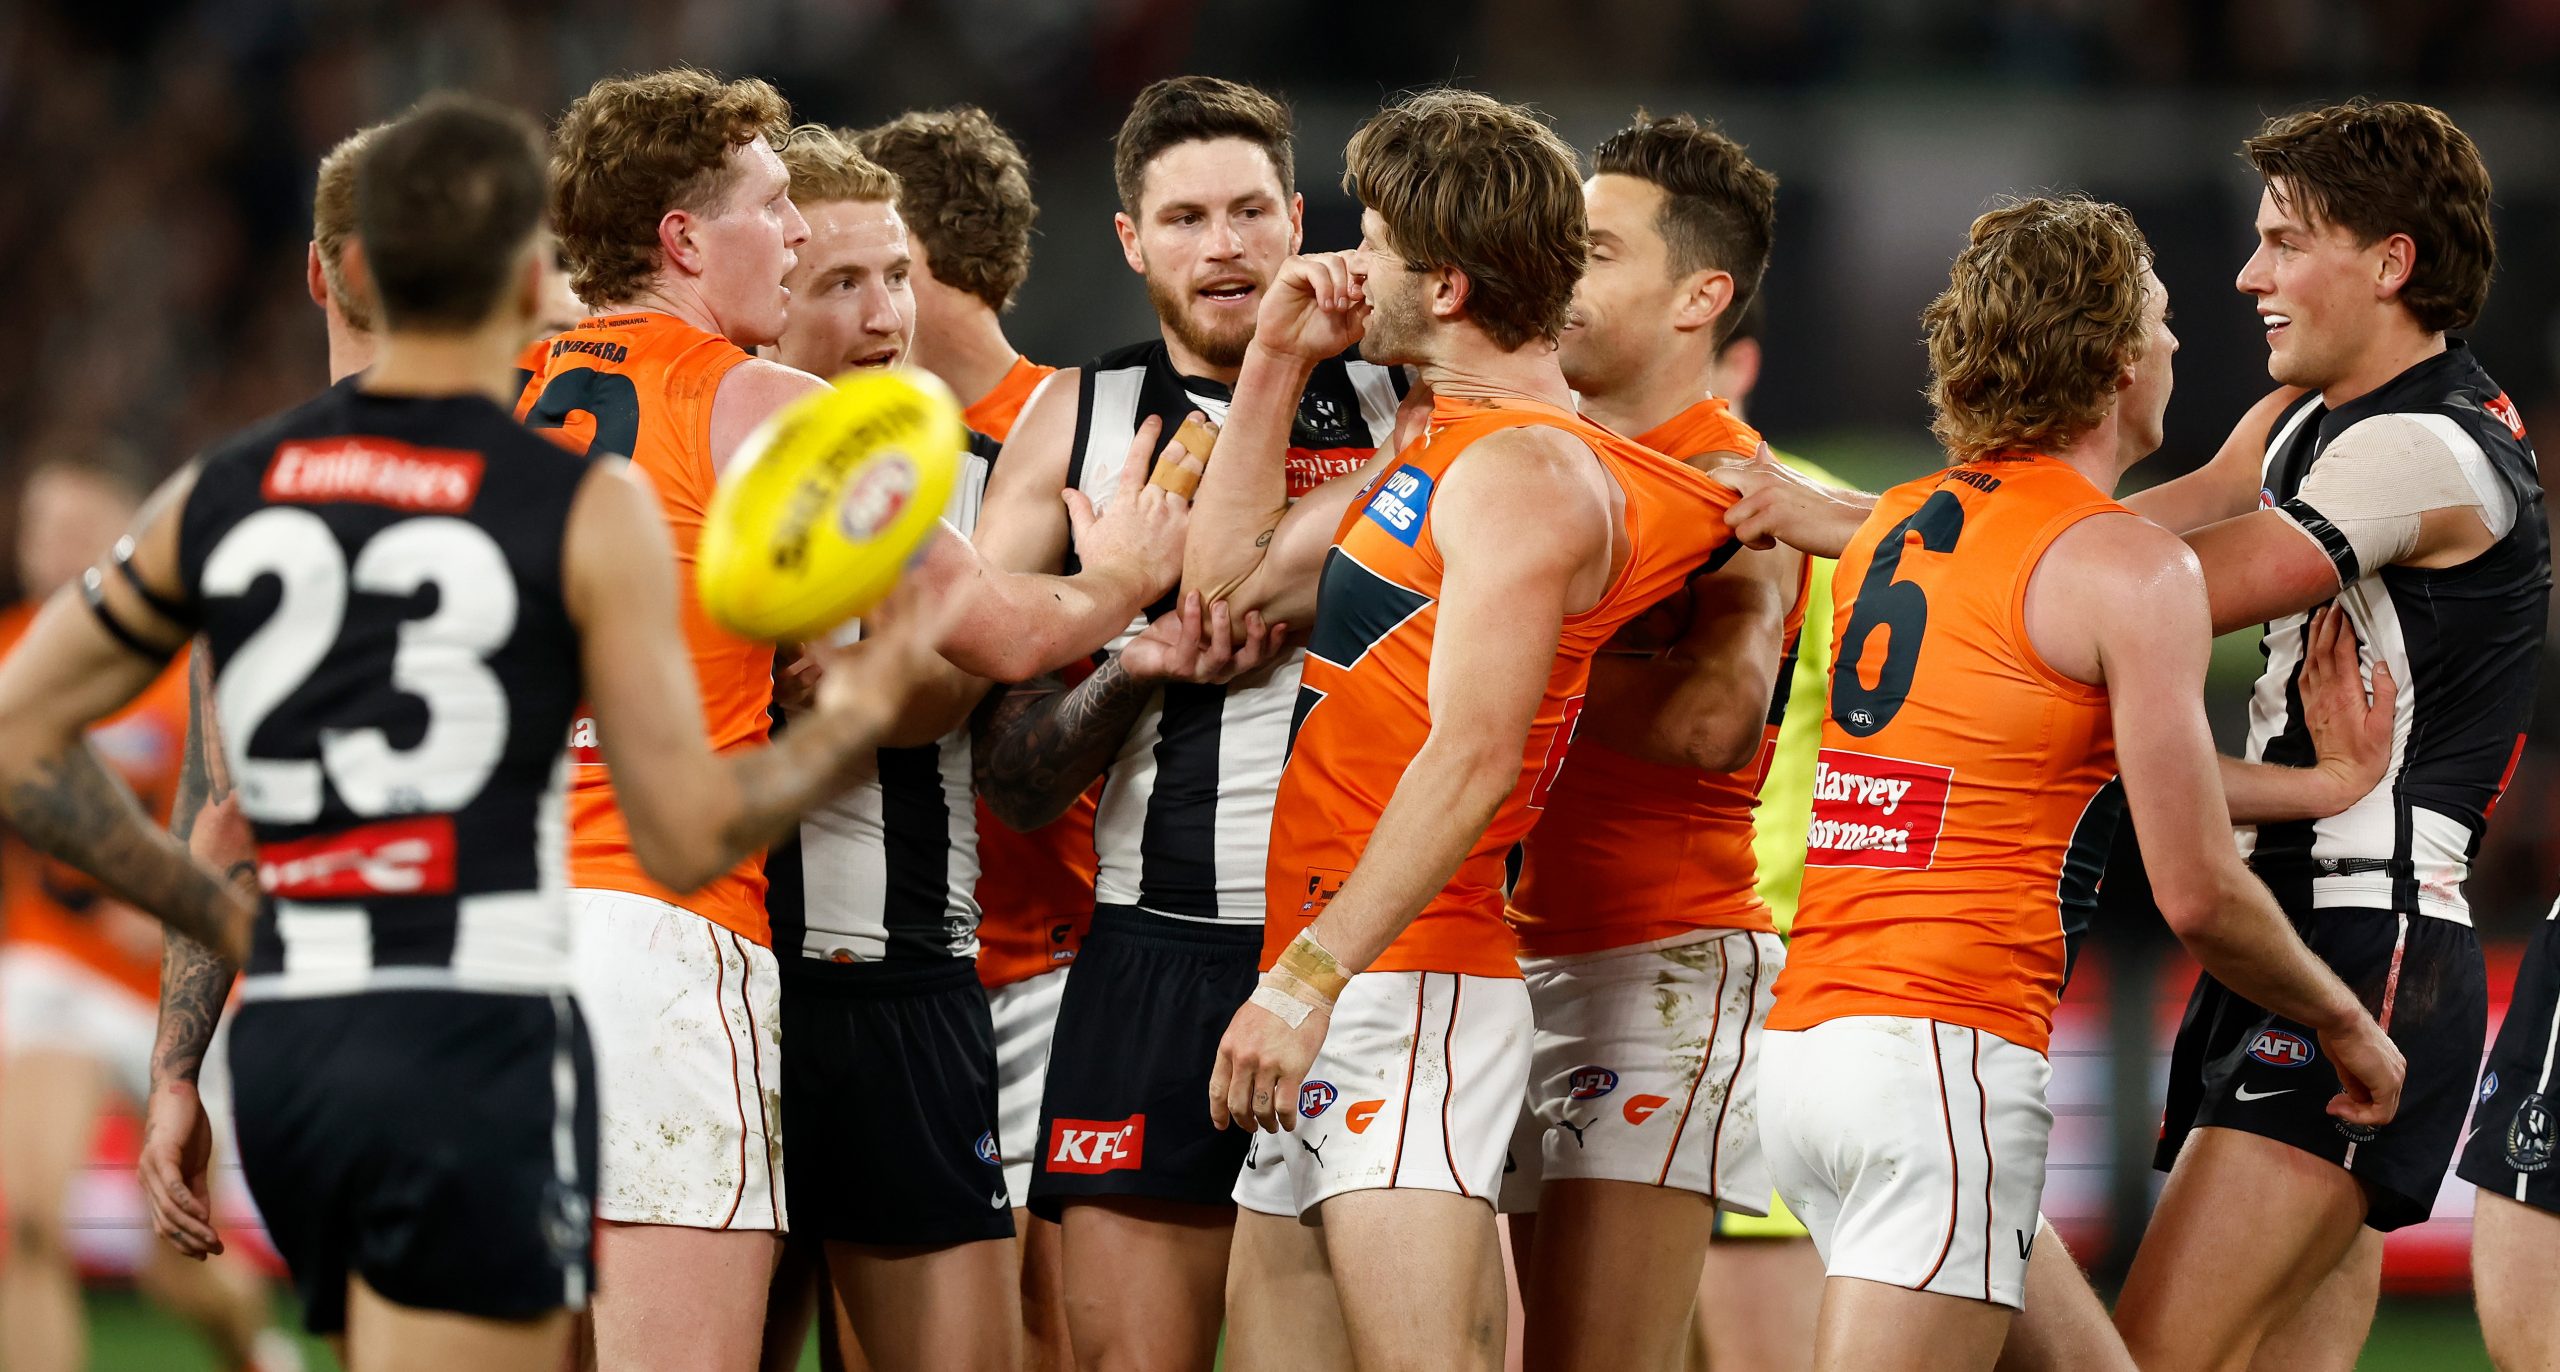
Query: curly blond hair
1465,181
2043,306
633,148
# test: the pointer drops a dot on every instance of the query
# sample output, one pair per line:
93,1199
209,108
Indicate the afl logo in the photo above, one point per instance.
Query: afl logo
1315,1098
875,496
2281,1048
986,1150
1591,1083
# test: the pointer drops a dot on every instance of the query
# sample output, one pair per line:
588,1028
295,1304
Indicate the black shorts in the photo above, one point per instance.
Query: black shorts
889,1104
2515,1127
2237,1066
1126,1112
439,1144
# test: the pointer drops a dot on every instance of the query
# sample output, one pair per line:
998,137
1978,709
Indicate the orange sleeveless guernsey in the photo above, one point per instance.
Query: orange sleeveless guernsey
1632,852
1965,798
1035,890
47,904
642,384
1364,701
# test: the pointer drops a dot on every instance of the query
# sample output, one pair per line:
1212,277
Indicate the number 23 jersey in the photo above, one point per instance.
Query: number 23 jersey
1964,798
379,581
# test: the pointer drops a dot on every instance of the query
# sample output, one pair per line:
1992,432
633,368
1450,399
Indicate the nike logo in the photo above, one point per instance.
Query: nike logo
2244,1093
1001,1201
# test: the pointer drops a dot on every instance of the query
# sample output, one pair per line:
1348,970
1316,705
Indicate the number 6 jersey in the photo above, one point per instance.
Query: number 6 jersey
379,581
1964,798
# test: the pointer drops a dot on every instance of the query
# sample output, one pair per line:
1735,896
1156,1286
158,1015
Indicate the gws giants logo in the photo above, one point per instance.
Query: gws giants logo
1640,1108
2282,1048
1092,1146
1315,1098
1591,1083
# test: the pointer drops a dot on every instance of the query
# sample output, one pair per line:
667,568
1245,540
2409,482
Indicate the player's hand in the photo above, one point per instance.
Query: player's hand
896,657
1142,532
2351,733
1316,306
1203,646
795,680
1261,1064
177,1151
2370,1070
1778,506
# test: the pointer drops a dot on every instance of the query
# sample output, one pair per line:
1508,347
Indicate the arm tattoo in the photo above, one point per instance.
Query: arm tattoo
1039,748
194,983
69,806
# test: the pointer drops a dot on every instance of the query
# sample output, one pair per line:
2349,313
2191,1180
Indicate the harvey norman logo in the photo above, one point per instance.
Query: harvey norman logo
369,470
1873,811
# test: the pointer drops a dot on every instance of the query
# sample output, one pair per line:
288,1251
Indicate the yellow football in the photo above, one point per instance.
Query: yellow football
827,502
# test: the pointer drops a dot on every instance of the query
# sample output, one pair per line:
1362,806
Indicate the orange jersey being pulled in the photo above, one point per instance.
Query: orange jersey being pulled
1035,890
642,384
47,904
1964,800
1632,852
993,414
1364,705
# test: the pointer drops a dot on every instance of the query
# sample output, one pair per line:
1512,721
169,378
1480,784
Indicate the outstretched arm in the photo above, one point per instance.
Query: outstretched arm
2153,664
1778,505
1040,746
68,673
2226,486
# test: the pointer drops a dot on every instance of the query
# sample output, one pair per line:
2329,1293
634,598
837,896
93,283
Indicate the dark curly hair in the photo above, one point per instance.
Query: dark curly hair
965,192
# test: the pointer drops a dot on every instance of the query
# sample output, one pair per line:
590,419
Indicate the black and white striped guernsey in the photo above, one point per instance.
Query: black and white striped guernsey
889,871
1185,821
379,581
2462,642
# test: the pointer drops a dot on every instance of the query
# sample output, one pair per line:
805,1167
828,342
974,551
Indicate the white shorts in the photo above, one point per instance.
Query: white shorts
1912,1149
1647,1069
686,1018
1416,1087
1026,1016
51,1000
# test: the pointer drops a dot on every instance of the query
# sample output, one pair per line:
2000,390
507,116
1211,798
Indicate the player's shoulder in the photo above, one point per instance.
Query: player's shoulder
1138,355
2116,546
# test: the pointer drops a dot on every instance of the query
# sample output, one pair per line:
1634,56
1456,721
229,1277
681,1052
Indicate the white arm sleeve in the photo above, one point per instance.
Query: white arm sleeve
2362,500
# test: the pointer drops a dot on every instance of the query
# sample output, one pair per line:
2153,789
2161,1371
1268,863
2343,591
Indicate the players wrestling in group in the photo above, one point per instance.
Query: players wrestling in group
1262,926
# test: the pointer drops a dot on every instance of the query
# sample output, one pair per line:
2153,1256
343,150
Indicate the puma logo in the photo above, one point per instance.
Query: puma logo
1577,1130
1315,1150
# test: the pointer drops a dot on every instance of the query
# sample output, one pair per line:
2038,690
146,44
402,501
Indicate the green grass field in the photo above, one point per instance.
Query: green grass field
128,1335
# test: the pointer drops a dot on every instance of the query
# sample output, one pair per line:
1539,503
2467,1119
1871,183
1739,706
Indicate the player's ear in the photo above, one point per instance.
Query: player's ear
2394,265
1449,291
1297,222
1127,228
1703,299
314,278
355,272
676,242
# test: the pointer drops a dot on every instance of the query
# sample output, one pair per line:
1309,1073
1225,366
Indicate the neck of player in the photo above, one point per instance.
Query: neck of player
2394,348
481,362
967,348
1648,401
1463,364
